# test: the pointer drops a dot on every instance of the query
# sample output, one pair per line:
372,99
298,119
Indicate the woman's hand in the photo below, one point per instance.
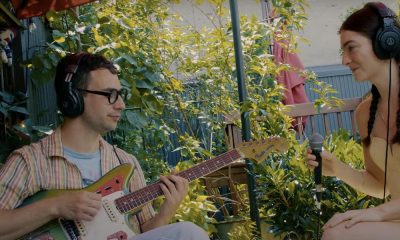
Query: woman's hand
329,162
353,217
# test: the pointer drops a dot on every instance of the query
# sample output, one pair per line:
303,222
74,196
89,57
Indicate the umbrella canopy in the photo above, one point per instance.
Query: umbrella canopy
32,8
291,79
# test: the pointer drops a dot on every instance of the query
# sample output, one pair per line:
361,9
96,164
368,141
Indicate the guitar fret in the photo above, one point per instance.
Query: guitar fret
138,198
209,166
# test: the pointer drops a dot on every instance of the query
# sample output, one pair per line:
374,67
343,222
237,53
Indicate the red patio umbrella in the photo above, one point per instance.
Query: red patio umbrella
32,8
294,83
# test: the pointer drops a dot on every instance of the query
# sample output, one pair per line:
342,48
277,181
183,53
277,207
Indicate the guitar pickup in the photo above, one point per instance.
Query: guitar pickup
109,210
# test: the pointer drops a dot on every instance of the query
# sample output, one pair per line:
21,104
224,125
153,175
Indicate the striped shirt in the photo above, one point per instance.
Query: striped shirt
42,166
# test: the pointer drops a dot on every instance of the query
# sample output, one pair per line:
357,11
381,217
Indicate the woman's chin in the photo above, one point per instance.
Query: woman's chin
359,78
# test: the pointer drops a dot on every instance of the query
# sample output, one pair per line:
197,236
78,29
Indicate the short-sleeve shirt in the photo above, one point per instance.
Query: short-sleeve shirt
42,166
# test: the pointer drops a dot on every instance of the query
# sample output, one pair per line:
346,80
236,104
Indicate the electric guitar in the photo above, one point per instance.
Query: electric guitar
111,222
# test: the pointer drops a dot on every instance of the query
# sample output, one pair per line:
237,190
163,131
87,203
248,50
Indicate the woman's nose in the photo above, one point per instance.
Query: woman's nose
345,59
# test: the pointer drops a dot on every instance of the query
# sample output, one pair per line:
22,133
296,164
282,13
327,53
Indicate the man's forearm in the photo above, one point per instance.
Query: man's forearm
18,222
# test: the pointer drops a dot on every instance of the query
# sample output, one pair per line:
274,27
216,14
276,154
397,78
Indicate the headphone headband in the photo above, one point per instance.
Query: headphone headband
384,12
72,104
72,69
387,37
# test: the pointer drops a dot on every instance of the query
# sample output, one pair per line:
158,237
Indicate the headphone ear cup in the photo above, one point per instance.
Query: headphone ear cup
387,42
72,104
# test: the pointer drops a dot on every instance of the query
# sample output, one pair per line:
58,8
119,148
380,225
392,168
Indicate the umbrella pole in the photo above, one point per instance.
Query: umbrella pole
254,214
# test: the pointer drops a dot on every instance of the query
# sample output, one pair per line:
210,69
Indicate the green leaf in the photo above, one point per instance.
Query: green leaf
4,111
41,77
23,130
51,15
144,83
291,187
43,129
127,58
58,36
137,118
152,103
6,97
152,76
19,110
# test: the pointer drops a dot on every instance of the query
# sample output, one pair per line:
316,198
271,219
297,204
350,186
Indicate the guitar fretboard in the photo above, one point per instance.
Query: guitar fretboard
138,198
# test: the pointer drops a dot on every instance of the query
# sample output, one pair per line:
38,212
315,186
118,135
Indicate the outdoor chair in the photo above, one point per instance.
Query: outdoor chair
222,187
328,115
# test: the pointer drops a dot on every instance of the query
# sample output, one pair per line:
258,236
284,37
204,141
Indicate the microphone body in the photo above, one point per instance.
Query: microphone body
317,170
316,143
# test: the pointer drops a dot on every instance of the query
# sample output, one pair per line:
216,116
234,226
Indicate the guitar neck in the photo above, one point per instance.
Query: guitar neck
138,198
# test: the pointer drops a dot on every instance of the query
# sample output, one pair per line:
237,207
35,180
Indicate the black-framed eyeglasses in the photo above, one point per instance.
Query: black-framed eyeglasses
112,95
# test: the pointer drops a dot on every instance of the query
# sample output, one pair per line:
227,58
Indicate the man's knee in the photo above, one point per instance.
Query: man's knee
192,231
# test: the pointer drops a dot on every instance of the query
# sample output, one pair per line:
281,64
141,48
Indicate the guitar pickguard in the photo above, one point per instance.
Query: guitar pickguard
109,222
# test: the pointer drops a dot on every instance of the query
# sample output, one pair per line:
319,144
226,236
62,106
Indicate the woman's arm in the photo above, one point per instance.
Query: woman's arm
388,211
368,180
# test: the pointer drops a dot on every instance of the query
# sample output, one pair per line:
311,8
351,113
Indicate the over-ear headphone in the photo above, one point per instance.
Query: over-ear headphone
72,104
387,38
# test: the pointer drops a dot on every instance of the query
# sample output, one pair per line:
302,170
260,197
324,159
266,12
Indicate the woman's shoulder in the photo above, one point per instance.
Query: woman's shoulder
363,107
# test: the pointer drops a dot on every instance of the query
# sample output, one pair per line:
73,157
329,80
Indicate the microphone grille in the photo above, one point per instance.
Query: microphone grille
316,141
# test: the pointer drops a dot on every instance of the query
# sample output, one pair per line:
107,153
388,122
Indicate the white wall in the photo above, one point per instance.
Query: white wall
200,15
324,19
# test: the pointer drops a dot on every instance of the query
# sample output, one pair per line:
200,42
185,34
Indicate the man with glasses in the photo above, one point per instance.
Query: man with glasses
91,99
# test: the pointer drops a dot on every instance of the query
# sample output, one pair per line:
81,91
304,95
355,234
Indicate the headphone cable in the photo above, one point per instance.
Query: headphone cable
387,129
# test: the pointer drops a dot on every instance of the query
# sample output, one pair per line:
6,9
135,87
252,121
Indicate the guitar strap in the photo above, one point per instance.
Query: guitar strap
116,154
113,145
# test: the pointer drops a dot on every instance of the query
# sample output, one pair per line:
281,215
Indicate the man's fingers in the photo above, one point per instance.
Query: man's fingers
166,191
167,186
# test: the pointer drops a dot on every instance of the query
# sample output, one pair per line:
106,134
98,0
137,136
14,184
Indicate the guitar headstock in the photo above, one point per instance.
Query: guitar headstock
259,150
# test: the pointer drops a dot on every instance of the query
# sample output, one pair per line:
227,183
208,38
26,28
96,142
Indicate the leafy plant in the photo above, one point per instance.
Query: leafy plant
18,129
287,190
243,231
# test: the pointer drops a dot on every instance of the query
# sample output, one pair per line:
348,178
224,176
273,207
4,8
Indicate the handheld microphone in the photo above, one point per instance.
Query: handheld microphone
316,142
